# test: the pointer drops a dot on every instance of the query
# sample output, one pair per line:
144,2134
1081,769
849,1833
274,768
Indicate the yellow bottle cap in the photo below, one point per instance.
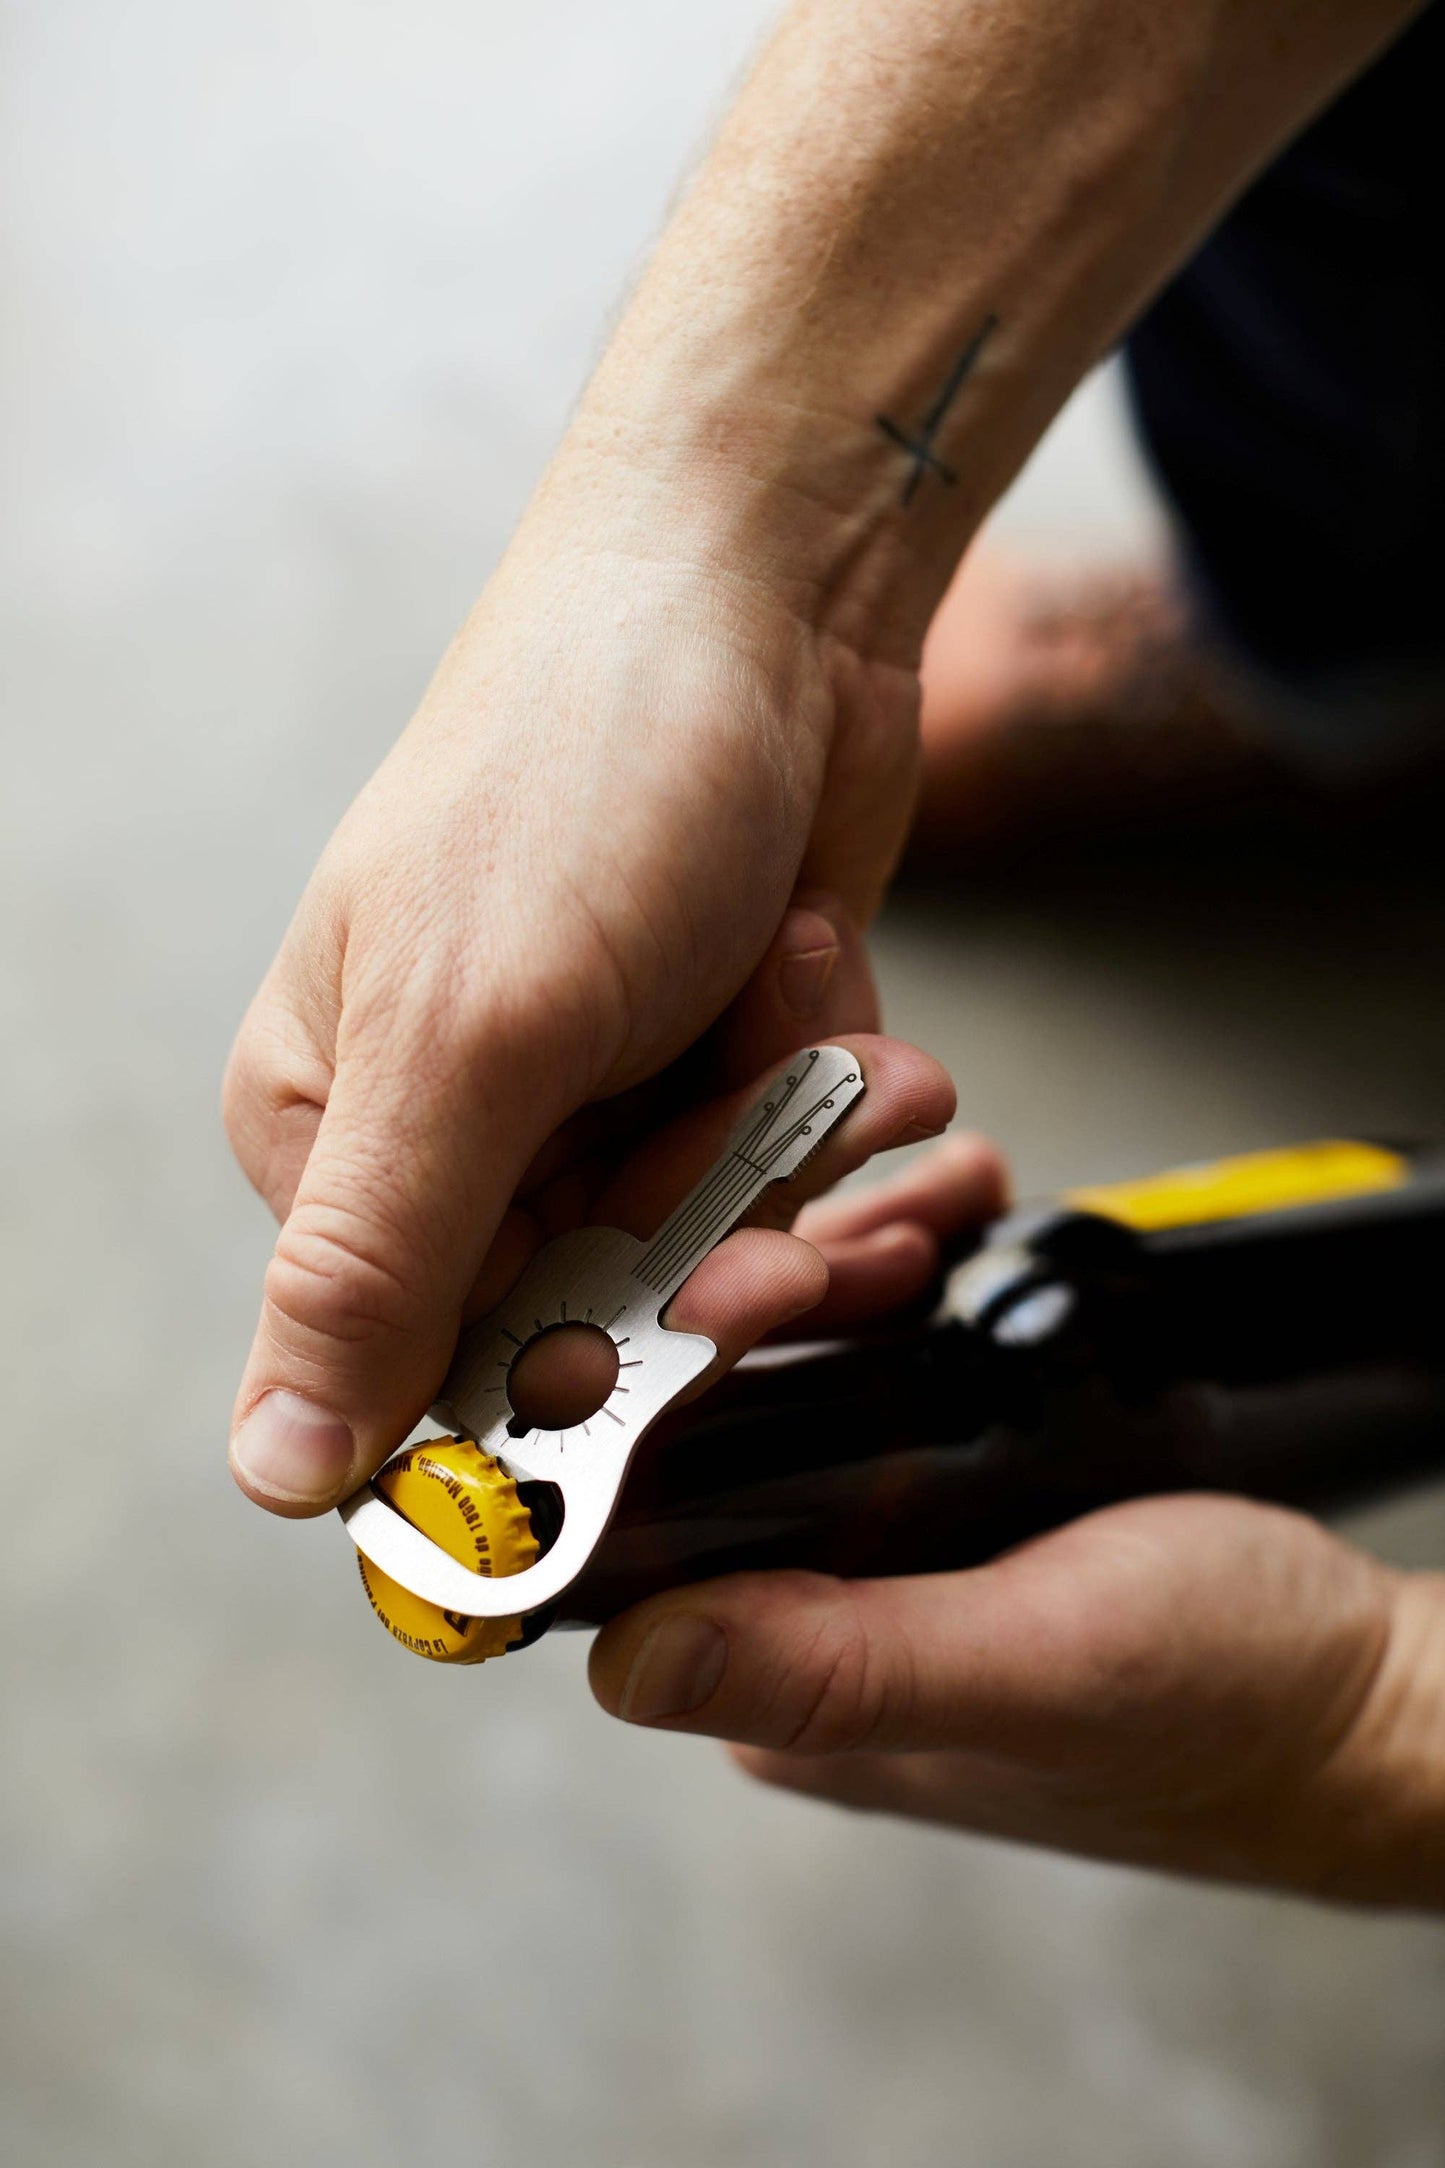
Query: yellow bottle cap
467,1503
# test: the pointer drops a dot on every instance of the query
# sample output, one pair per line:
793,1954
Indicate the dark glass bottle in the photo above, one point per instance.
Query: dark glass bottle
1097,1349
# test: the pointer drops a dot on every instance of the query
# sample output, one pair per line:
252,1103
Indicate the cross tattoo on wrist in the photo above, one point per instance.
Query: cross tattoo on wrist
920,446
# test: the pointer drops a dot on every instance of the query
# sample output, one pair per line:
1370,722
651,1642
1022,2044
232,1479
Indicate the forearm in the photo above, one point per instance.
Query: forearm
913,195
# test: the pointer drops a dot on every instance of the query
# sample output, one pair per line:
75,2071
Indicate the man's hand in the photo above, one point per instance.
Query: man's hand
1189,1683
581,851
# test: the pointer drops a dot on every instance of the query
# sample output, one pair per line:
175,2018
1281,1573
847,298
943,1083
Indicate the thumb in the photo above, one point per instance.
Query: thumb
1040,1644
800,1661
1168,1631
364,1291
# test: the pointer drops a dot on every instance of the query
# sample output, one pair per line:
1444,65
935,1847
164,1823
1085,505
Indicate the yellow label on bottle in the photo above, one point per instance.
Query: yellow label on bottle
468,1505
1243,1187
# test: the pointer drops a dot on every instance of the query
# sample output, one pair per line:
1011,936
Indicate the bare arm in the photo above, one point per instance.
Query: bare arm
921,225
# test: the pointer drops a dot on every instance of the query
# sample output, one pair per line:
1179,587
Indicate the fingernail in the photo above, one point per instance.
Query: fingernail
290,1448
803,979
675,1671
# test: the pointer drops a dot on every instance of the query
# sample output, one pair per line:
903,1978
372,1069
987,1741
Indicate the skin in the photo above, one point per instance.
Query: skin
1197,1684
703,644
1061,702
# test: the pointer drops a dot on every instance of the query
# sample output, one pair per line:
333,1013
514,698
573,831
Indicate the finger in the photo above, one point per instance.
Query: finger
908,1097
806,1664
814,982
886,1245
275,1091
753,1284
1153,1620
797,1662
961,1183
869,1278
364,1292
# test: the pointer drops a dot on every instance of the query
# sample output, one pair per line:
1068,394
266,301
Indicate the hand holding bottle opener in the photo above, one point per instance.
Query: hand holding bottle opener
601,1277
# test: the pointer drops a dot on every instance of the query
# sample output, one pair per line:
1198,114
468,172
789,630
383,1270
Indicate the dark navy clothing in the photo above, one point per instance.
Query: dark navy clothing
1290,389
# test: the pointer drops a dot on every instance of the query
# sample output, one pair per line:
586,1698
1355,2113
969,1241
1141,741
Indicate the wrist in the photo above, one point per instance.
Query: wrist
790,510
700,494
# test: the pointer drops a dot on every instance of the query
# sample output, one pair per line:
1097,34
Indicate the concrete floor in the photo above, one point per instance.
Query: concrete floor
299,294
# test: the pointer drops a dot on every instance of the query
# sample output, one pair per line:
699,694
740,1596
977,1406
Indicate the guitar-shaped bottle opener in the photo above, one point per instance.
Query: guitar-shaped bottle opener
600,1277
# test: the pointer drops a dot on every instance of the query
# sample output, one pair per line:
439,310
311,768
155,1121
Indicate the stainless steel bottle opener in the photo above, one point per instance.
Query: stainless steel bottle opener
603,1277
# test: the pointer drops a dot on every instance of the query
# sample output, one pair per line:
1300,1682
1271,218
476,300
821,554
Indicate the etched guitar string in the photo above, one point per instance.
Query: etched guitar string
717,1193
722,1197
735,1176
694,1208
655,1274
709,1211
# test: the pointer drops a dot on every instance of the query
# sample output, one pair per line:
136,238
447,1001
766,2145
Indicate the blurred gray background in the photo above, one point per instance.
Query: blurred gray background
298,293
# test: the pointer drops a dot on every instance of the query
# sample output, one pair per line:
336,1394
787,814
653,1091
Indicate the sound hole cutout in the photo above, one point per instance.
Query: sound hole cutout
561,1378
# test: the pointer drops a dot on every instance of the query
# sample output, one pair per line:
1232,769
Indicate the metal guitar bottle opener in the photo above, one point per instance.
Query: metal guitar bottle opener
602,1277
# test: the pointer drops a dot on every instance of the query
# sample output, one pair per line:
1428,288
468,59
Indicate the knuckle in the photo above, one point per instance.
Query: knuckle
275,1067
845,1698
246,1092
271,1104
238,1094
331,1278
